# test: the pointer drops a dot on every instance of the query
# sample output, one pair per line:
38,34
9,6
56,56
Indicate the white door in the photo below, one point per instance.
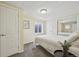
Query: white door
8,31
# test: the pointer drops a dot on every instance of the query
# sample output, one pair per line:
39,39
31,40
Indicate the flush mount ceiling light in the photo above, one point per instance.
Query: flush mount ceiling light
43,11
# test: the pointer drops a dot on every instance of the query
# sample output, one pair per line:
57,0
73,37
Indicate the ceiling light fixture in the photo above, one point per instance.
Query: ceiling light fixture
43,11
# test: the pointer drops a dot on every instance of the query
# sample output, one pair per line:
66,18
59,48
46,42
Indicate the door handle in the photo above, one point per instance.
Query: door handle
2,35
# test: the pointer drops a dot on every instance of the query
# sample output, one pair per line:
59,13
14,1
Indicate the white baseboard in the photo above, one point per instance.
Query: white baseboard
20,51
28,42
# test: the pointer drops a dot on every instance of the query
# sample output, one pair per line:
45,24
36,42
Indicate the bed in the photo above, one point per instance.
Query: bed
51,43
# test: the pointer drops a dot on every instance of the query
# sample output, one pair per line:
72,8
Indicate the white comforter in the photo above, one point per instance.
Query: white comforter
50,43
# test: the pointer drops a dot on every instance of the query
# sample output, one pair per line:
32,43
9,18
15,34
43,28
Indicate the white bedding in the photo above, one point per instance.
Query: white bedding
51,44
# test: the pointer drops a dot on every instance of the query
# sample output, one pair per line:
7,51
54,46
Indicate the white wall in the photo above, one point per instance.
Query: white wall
51,29
29,33
78,23
52,26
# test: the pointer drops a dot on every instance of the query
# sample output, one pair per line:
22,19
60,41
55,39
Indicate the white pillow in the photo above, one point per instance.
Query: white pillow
73,36
76,43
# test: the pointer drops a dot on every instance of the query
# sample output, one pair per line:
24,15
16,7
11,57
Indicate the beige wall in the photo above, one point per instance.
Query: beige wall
29,34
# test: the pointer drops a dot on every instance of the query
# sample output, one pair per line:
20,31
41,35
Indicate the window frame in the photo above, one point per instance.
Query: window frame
42,28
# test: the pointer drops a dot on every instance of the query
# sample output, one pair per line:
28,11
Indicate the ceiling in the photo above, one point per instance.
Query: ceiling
55,9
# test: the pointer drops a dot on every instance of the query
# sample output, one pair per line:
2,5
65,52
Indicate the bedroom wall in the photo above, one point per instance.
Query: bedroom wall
51,29
78,23
29,34
61,12
52,26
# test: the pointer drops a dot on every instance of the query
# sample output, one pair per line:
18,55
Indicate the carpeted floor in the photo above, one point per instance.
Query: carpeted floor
31,51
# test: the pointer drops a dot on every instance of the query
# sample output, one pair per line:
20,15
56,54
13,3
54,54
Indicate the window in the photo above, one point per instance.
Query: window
39,28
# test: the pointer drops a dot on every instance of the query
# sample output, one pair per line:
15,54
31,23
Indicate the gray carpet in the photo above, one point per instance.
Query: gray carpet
31,51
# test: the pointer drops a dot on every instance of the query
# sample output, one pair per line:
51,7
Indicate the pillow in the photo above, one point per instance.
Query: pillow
76,43
73,37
